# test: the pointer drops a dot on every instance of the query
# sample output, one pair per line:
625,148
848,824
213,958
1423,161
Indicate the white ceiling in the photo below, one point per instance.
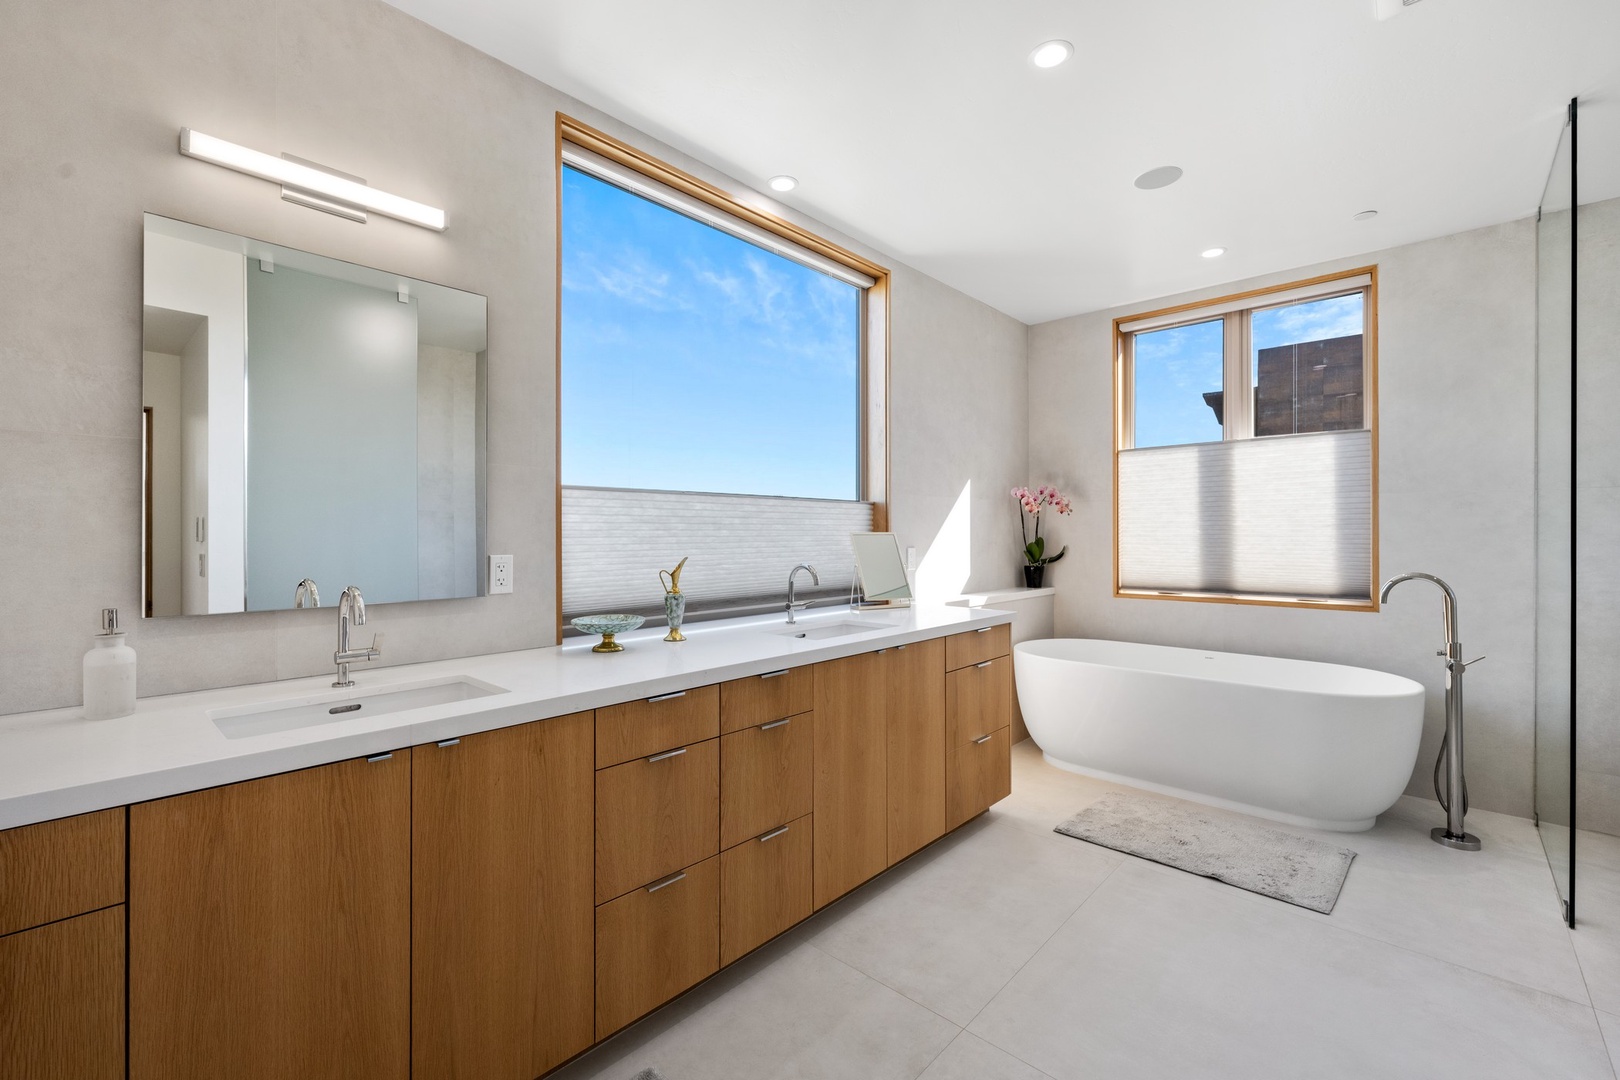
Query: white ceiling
919,127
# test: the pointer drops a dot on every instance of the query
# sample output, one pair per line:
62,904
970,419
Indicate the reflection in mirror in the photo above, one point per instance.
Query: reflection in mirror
882,574
305,418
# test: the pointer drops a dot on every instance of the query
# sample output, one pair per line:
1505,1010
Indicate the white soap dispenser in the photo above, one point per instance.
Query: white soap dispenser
109,672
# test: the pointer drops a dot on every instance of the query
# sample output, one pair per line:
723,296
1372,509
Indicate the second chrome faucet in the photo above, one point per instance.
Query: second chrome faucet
795,605
352,612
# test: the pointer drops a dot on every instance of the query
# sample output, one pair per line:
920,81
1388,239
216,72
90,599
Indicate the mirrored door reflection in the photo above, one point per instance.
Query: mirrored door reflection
1555,506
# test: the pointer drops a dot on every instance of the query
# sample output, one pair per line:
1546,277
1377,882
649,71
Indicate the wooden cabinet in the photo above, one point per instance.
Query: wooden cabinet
655,942
760,699
649,726
502,912
851,841
978,775
764,887
269,927
655,815
765,776
914,691
60,868
62,998
976,645
979,699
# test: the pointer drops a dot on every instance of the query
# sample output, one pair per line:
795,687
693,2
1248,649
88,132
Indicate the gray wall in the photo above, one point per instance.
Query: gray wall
364,88
1456,370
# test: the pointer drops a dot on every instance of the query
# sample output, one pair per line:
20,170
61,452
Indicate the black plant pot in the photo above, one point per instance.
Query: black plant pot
1033,576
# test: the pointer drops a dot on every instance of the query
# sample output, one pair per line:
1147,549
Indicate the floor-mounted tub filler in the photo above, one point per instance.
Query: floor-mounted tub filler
1320,745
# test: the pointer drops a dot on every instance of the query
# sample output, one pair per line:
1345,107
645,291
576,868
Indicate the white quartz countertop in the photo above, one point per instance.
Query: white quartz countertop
56,763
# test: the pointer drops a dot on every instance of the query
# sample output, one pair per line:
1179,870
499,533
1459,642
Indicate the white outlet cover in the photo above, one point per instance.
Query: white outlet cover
500,574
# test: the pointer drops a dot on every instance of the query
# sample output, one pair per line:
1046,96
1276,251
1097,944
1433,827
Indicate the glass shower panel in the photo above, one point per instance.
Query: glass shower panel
1555,504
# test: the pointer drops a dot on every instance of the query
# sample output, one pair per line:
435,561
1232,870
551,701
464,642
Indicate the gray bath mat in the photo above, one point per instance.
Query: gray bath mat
648,1074
1217,844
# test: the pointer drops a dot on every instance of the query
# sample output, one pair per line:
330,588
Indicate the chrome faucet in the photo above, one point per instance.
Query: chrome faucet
795,605
1454,800
306,591
352,611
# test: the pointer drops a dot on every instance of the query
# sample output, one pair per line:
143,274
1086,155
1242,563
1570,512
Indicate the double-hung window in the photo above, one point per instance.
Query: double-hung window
721,391
1246,447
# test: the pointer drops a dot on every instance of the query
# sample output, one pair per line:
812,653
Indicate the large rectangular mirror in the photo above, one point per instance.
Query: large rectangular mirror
305,418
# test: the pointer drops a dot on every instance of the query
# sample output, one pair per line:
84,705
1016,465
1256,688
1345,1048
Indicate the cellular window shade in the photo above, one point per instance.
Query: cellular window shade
739,548
1287,516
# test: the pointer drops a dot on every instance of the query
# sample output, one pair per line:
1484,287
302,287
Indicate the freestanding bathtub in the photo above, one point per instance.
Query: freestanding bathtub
1320,745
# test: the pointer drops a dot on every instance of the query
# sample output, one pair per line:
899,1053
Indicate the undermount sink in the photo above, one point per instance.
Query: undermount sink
819,631
246,721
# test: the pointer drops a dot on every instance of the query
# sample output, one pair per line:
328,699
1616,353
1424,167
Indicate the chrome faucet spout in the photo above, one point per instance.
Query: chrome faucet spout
306,590
352,612
1448,606
795,605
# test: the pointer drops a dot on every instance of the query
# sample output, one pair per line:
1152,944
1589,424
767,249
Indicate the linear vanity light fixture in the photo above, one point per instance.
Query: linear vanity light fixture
305,178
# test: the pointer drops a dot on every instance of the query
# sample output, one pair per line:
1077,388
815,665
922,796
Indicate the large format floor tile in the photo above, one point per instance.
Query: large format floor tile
791,1013
971,1058
1161,974
952,925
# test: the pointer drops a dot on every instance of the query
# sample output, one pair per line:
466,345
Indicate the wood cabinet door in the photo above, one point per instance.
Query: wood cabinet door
62,999
851,778
914,686
765,777
654,942
979,699
502,913
978,775
764,887
655,815
269,927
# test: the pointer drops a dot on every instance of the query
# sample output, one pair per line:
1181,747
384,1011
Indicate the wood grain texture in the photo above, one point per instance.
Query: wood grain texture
654,817
914,691
62,999
977,776
764,888
502,907
640,728
650,946
761,698
977,646
766,777
978,700
270,927
60,868
851,777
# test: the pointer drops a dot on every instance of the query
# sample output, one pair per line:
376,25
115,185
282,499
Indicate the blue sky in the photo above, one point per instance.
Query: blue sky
1175,367
695,361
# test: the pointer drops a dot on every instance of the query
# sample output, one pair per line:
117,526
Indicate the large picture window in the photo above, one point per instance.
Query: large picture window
1246,447
716,392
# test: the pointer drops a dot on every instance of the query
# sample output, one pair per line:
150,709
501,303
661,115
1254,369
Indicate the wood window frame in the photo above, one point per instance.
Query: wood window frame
875,347
1124,414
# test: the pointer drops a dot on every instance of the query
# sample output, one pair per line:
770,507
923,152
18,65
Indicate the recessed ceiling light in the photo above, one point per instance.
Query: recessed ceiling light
1049,54
783,183
1163,176
1213,253
1366,215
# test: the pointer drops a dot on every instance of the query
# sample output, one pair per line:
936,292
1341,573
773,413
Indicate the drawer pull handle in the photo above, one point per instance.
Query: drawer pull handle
667,697
666,755
774,724
987,663
662,882
774,674
447,742
982,739
380,757
984,630
773,834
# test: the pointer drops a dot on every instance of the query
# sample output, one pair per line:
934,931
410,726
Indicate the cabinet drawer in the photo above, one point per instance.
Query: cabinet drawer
978,645
60,868
62,999
765,776
978,698
761,698
652,725
655,942
655,815
977,775
764,887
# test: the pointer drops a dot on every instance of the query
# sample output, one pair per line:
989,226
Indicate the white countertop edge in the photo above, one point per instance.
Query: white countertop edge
55,764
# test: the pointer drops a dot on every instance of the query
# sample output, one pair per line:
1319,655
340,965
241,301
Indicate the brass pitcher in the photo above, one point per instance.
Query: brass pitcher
674,602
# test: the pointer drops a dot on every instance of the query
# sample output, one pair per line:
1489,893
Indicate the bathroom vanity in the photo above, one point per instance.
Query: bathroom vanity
481,887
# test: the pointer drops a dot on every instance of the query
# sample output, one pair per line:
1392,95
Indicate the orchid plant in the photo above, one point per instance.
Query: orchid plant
1031,504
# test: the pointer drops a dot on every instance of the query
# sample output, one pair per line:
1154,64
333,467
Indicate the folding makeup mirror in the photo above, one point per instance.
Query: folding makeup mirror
882,573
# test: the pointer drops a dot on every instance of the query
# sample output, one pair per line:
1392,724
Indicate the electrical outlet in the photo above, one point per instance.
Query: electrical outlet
500,574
